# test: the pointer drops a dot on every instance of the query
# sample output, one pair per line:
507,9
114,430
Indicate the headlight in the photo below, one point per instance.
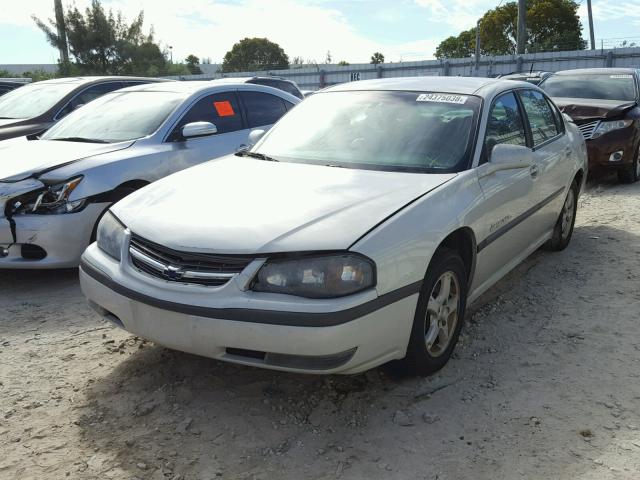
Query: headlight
110,235
52,199
327,276
606,127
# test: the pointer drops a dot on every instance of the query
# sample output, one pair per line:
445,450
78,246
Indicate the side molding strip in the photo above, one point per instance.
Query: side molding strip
517,221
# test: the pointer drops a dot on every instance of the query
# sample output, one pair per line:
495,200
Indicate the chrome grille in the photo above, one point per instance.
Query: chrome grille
184,267
587,129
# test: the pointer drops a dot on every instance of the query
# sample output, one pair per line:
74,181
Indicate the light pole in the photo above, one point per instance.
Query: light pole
477,47
522,27
171,53
591,32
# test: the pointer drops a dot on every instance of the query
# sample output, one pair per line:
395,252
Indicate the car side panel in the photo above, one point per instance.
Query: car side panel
403,245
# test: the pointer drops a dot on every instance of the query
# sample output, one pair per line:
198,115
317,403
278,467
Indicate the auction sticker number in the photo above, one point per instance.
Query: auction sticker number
442,98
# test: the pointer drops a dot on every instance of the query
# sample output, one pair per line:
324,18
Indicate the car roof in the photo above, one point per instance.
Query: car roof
96,79
597,71
187,86
248,79
191,87
458,85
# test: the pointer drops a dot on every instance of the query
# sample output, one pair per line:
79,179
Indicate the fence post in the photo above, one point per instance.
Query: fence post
519,64
609,59
323,82
445,69
379,71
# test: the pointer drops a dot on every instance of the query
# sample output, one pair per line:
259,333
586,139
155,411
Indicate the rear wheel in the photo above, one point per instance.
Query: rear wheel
564,226
439,315
631,173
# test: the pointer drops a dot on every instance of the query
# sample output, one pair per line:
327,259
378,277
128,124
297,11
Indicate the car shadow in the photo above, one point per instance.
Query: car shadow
521,389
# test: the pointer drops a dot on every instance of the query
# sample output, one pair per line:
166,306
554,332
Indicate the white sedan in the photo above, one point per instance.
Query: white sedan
354,233
53,190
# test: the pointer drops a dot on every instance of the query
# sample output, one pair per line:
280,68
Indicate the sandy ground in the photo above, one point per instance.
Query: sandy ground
544,385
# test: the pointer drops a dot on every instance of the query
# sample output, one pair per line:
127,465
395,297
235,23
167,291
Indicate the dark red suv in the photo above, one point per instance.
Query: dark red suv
604,103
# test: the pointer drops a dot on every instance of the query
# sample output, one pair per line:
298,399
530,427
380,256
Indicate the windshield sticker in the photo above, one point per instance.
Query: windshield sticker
442,98
224,109
621,76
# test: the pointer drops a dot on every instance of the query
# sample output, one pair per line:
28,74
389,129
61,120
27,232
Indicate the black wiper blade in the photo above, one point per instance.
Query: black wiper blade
260,156
80,139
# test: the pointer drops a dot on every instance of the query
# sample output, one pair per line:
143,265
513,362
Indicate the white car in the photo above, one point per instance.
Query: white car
366,220
53,190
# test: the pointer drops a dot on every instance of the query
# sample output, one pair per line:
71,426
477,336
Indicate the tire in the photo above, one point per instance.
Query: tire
426,353
631,173
563,230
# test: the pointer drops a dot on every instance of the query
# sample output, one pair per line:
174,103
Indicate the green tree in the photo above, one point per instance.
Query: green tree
343,63
103,43
461,46
552,25
251,54
193,63
377,58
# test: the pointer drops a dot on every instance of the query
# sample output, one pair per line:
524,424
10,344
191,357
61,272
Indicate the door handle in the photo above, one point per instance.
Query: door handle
533,170
567,152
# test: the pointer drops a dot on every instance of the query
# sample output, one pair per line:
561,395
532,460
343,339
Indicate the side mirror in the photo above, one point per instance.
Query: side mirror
255,136
504,156
198,129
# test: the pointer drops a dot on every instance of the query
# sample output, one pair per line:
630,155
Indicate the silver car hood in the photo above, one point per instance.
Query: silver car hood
241,205
21,158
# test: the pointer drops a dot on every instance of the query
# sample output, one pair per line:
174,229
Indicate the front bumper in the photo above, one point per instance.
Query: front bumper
601,149
249,328
62,237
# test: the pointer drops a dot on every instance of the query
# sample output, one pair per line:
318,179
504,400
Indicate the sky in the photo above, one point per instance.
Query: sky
350,29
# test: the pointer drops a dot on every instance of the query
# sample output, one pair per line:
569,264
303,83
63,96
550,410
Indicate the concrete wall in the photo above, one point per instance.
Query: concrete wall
19,69
313,78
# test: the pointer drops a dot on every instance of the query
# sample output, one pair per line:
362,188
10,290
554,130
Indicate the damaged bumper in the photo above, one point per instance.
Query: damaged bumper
47,241
265,330
613,150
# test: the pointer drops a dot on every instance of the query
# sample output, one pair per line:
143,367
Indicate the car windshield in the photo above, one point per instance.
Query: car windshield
601,86
33,100
380,130
116,117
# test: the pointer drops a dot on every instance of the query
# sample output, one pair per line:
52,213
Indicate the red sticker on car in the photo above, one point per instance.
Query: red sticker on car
224,109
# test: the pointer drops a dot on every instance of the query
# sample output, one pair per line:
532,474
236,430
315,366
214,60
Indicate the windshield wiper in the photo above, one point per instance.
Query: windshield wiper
80,139
260,156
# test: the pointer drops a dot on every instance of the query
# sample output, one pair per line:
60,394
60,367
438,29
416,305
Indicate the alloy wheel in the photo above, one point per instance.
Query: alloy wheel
568,211
442,313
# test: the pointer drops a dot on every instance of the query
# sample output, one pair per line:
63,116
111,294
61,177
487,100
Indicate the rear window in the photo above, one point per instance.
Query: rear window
610,86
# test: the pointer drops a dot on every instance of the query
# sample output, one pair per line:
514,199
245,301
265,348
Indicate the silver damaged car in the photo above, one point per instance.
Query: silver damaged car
54,190
364,222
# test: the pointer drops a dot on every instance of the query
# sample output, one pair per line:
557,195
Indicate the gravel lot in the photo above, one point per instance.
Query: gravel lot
545,384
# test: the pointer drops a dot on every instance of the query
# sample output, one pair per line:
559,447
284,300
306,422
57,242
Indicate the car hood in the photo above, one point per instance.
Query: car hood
585,108
245,206
21,158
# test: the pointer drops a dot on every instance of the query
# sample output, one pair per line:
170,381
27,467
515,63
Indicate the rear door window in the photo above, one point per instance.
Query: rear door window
221,109
87,95
262,108
541,118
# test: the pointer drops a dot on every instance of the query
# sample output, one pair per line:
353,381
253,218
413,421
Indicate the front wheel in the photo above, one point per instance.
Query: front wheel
564,226
439,315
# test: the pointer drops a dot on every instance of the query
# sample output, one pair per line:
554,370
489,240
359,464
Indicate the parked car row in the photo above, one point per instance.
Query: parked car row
351,233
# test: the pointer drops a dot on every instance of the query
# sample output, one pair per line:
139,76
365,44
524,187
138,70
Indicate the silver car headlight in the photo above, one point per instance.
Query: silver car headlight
50,200
110,235
610,126
326,276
